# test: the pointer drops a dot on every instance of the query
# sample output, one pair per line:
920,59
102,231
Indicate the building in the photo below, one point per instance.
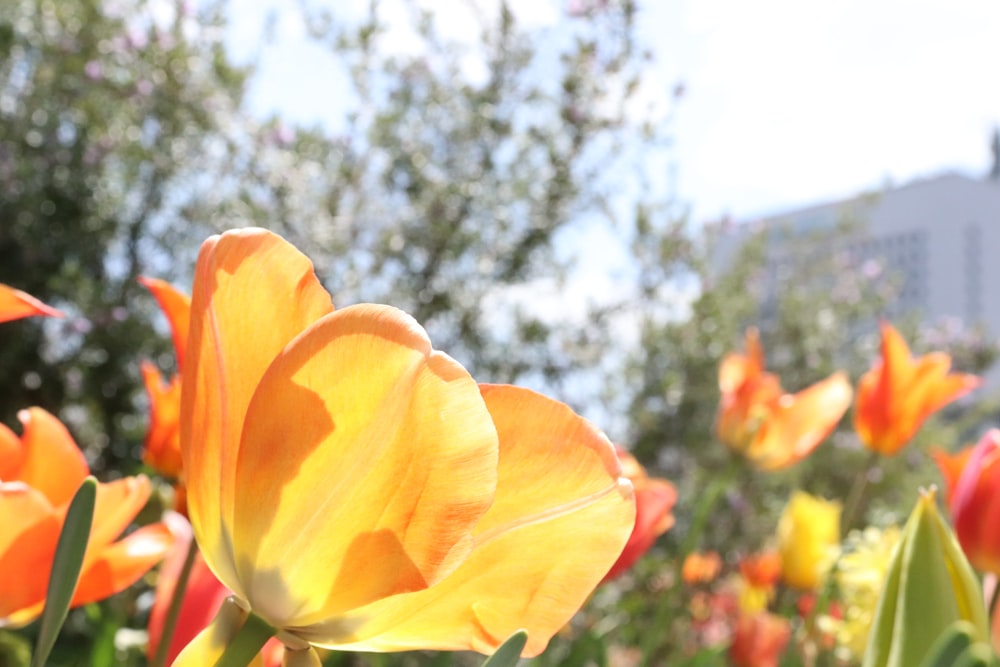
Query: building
940,236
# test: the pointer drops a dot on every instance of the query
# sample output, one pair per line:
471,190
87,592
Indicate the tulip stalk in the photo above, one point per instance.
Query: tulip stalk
247,643
856,495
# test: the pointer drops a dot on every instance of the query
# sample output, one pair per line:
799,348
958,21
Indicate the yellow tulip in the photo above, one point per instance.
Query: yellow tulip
356,489
808,529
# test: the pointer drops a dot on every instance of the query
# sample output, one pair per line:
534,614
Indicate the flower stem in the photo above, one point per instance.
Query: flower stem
857,493
248,642
174,611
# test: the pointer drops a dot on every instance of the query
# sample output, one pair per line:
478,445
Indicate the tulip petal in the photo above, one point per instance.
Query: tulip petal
559,485
361,444
253,293
11,454
15,304
799,423
118,503
161,450
117,566
654,500
45,440
29,529
211,643
177,307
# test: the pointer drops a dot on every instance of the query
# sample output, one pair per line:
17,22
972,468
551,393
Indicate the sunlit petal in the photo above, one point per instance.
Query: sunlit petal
117,566
161,449
235,333
15,304
117,504
390,457
559,484
46,441
177,307
29,528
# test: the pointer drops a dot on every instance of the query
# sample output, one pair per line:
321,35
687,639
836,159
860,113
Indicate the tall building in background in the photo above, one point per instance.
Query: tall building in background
939,237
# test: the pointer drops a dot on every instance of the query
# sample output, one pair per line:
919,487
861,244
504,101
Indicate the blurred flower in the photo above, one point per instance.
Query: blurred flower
758,576
161,450
203,597
899,393
772,429
951,466
654,500
15,304
808,529
41,472
975,504
859,572
759,640
318,443
929,585
701,567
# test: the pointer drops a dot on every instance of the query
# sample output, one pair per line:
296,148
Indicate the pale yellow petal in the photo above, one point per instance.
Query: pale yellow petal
366,461
253,292
561,518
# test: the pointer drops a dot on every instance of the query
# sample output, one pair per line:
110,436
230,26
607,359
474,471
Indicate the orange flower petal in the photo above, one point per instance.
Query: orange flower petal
11,454
899,393
15,304
117,504
29,528
559,485
52,463
117,566
177,307
390,457
951,466
654,500
799,423
162,450
253,293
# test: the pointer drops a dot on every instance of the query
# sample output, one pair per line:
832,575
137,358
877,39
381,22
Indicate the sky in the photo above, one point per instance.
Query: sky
786,102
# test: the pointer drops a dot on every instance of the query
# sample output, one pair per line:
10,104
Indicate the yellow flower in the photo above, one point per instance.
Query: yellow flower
357,490
809,527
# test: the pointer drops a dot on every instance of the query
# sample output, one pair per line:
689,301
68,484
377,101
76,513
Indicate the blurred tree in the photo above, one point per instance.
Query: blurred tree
104,108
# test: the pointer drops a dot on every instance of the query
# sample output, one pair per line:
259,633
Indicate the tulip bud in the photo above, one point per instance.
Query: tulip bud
928,587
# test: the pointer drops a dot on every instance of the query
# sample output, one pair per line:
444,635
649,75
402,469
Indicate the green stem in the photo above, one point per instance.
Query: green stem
247,643
717,487
174,611
994,597
857,493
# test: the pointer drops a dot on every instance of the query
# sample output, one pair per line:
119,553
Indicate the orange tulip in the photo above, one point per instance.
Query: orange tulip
951,466
700,567
762,570
162,450
975,505
41,471
899,393
15,304
759,640
203,597
654,500
772,429
356,489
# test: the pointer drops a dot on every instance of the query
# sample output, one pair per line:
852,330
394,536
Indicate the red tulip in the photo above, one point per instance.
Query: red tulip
975,505
759,640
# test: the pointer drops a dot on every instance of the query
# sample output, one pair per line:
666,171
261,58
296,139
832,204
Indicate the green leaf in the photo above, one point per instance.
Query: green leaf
509,652
66,564
950,645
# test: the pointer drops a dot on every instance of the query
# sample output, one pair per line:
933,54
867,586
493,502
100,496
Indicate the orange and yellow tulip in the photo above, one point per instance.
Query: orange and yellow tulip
654,501
357,490
41,471
770,428
975,505
899,393
15,304
162,450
